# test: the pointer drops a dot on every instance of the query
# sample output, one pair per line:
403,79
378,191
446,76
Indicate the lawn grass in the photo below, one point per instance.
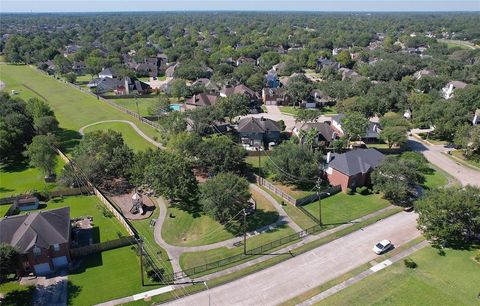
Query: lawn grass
3,209
193,229
293,110
16,294
130,136
341,208
143,104
105,276
104,228
73,108
438,280
19,178
190,260
145,230
435,179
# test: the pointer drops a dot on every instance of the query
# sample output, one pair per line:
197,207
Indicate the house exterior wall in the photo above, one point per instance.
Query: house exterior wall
338,178
45,256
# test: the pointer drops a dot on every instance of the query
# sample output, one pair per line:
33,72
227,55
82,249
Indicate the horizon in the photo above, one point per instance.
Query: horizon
311,6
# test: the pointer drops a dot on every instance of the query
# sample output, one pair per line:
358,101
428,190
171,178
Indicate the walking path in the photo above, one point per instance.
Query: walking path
136,297
435,154
297,275
133,125
355,279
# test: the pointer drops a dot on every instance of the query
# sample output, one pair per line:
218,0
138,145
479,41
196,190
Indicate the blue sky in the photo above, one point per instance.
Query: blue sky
259,5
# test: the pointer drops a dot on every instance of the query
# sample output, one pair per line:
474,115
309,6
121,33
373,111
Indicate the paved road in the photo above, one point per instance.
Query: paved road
133,125
297,275
435,155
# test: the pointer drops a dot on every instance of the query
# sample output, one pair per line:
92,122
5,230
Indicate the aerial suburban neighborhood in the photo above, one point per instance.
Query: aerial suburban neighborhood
275,153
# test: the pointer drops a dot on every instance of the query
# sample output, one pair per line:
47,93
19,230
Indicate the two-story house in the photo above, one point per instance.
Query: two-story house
258,132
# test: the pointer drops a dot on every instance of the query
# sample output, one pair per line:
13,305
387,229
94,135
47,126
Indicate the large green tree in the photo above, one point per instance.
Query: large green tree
41,153
233,106
450,216
224,196
220,154
355,125
9,260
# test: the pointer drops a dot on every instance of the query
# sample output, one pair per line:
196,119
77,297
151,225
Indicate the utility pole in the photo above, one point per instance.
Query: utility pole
318,186
259,162
140,244
244,232
136,102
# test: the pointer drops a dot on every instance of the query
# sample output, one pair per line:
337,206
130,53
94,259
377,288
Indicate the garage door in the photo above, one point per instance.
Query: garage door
59,262
42,269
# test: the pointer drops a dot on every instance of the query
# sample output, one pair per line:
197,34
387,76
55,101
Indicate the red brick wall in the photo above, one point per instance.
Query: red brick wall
46,256
338,178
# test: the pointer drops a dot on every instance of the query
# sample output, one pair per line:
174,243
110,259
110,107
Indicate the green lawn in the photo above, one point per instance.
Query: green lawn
104,228
452,279
15,294
291,110
193,229
73,109
435,179
143,104
342,208
3,209
468,162
190,260
130,136
145,230
105,276
18,178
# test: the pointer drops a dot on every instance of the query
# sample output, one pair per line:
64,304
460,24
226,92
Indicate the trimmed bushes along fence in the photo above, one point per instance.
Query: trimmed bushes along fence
102,246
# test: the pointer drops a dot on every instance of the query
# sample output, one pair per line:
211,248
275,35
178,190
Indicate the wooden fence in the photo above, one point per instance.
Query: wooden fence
102,246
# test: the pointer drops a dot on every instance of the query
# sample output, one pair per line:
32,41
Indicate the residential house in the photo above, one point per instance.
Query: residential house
324,62
79,67
206,83
352,169
41,237
372,133
275,96
448,90
258,132
476,117
240,89
348,74
321,99
243,59
132,86
170,70
70,50
107,73
103,85
424,72
324,132
272,80
202,99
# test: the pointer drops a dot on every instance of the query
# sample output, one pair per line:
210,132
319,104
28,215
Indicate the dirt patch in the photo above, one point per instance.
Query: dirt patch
125,203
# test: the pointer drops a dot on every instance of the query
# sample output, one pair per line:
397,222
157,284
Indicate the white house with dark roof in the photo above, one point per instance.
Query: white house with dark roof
448,90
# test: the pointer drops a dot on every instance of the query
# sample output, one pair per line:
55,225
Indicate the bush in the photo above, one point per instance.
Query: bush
477,256
105,212
363,190
350,191
409,263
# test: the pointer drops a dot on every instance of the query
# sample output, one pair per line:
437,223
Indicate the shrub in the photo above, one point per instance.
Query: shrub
477,256
363,190
105,212
409,263
350,191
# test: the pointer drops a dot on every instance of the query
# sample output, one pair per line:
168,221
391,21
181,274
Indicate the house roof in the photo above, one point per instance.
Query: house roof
107,71
356,161
457,84
202,99
239,89
322,128
257,125
41,229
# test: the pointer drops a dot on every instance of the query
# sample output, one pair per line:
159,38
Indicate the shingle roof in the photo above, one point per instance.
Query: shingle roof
356,161
322,128
257,125
42,229
202,99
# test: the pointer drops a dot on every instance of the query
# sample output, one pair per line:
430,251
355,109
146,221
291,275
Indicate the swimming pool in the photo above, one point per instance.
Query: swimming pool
175,107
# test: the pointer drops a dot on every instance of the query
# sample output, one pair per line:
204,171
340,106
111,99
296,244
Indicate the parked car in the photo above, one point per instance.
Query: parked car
382,246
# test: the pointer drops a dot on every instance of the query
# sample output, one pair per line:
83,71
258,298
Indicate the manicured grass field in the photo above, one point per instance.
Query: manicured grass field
190,260
143,104
342,208
192,229
105,276
18,178
130,136
463,160
435,179
145,231
104,228
438,280
3,209
290,110
15,294
73,109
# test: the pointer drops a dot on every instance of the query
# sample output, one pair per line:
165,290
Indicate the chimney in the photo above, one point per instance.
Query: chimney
329,157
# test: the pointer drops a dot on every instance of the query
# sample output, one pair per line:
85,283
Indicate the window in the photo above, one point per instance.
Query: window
56,247
37,251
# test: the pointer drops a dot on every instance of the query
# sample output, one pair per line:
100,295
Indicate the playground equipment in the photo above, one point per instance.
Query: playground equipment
137,203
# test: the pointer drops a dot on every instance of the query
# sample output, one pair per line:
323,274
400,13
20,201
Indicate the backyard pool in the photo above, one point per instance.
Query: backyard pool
175,107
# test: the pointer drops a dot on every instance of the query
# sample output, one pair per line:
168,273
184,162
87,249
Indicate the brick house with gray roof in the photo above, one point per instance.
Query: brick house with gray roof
258,132
41,237
352,169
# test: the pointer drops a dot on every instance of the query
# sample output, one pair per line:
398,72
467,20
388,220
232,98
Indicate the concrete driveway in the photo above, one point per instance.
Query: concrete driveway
299,274
436,155
51,291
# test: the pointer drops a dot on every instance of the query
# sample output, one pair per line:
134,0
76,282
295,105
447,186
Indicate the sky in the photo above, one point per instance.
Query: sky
36,6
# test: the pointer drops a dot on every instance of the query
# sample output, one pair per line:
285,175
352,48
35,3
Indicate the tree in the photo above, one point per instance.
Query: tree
201,118
256,81
160,107
185,144
9,260
179,89
397,179
298,90
307,115
233,106
450,216
41,153
394,135
62,64
355,125
167,174
344,58
224,196
293,164
220,154
43,116
71,77
15,127
468,138
103,155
